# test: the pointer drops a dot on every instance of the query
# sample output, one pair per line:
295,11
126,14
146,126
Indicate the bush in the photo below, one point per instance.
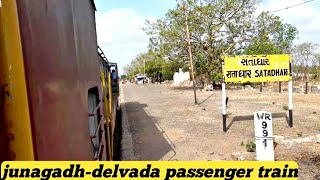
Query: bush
250,146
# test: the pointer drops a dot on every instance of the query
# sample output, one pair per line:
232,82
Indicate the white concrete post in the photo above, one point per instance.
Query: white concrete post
264,136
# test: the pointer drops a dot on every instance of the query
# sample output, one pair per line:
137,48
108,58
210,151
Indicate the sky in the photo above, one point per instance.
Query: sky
120,23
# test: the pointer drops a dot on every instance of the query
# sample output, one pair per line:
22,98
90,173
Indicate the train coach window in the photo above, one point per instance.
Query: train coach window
93,120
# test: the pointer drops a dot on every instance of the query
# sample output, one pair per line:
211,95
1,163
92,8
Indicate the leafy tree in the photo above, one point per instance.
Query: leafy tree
216,28
123,76
306,60
220,27
271,36
151,63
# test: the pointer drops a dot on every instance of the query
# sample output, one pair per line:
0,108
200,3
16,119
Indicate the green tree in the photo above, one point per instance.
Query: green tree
123,76
216,28
306,60
151,63
271,35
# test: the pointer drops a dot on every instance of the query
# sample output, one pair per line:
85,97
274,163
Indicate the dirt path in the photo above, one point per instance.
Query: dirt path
165,124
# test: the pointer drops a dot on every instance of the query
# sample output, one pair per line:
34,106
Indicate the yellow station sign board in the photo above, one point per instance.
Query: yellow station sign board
256,68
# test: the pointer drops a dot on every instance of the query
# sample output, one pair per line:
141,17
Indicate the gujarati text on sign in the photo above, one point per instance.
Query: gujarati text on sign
257,68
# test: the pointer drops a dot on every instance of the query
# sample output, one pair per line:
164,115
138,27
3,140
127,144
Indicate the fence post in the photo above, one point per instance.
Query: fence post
306,88
280,87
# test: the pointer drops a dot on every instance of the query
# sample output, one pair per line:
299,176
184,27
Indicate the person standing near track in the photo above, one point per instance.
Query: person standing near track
159,77
114,75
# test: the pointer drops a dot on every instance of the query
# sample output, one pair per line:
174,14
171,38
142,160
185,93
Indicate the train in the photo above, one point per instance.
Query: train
59,93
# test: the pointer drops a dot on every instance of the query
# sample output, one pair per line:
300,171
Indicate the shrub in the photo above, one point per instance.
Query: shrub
250,146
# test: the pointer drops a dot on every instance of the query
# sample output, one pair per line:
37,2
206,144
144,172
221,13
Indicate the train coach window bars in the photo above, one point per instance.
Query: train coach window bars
93,120
95,128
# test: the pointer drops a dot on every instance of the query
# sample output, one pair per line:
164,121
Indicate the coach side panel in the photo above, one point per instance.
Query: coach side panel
61,62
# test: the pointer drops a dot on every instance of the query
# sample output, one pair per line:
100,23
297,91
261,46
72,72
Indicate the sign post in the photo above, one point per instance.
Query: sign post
256,68
290,103
224,107
262,68
264,136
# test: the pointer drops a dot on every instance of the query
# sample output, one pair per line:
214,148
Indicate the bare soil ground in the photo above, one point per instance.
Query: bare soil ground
166,125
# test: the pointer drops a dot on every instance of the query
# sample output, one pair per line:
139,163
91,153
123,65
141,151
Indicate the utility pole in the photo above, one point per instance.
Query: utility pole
189,51
144,69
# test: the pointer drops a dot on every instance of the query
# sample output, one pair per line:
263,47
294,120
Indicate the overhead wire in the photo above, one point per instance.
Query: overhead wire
292,6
